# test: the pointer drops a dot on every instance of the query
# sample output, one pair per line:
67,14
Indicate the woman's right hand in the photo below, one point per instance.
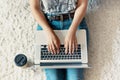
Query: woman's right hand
53,43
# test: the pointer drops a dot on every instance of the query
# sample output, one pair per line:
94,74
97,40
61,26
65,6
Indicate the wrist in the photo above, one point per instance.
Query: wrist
72,31
49,31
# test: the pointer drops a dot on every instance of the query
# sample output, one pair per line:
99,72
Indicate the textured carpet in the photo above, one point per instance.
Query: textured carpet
17,29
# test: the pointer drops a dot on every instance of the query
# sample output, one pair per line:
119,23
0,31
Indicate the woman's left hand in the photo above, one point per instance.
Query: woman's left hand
70,42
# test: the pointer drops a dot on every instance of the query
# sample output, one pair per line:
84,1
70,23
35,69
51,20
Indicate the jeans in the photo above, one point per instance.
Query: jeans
69,73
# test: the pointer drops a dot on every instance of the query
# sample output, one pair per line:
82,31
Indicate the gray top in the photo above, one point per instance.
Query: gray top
55,7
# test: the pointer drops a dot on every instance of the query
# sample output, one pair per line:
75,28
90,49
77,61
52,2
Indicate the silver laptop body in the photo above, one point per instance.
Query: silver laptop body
47,60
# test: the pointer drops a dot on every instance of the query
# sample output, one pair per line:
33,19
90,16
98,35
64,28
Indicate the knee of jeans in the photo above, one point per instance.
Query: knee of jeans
51,74
75,74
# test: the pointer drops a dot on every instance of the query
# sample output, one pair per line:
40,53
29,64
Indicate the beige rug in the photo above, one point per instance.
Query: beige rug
17,28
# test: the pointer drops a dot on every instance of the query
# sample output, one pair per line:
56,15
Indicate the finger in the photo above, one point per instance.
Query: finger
76,45
57,46
53,48
48,47
73,47
70,47
66,47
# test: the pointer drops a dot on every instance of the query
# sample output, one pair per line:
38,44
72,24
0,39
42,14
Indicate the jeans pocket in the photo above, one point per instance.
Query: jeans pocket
55,25
66,24
83,24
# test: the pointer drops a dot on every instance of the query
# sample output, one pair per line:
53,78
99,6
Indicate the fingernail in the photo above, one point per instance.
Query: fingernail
52,52
65,52
57,52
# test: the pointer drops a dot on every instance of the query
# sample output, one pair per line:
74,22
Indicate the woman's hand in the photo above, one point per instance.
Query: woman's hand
53,43
70,42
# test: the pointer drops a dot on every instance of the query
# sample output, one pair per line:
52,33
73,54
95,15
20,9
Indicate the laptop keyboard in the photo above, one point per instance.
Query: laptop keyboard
45,55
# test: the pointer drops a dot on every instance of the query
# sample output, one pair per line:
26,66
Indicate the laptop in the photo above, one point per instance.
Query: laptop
45,59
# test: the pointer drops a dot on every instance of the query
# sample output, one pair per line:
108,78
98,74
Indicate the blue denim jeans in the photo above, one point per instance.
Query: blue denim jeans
70,73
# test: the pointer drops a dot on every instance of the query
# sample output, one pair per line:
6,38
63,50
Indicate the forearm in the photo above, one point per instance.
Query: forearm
40,18
78,16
